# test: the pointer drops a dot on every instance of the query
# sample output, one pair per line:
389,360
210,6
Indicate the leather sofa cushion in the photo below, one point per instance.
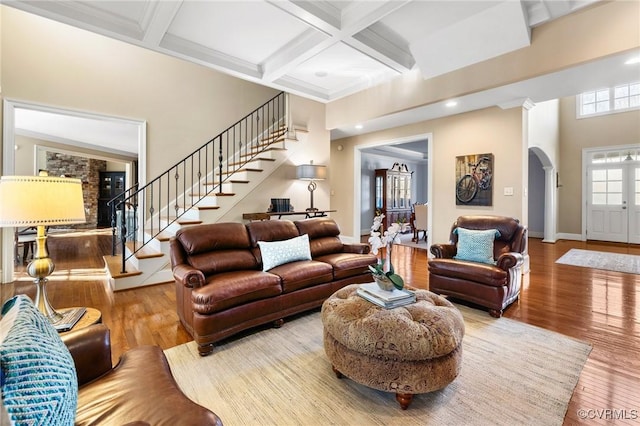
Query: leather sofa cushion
219,261
301,274
318,227
271,230
229,289
506,226
140,390
348,264
325,245
471,271
214,236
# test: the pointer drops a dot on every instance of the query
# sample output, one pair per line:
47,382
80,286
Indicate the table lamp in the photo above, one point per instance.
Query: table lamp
41,201
311,172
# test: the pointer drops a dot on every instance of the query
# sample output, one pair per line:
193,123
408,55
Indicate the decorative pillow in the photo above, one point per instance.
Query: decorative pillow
39,382
476,246
276,253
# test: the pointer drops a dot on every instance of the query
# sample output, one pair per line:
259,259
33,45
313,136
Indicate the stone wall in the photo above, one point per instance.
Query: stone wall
88,171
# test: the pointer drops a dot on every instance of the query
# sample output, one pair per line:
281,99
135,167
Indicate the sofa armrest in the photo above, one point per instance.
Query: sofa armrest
188,276
359,248
509,260
90,348
444,251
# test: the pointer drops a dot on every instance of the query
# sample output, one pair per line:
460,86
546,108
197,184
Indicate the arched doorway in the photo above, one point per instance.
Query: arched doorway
542,190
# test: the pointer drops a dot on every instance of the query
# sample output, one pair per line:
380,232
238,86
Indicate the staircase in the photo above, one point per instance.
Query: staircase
201,188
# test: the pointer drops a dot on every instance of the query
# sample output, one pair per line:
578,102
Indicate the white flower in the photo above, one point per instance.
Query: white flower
390,236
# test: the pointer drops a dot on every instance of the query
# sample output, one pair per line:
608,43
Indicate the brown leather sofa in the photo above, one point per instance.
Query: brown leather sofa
491,286
139,390
221,288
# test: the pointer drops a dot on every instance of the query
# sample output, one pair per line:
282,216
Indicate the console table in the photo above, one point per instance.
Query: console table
267,215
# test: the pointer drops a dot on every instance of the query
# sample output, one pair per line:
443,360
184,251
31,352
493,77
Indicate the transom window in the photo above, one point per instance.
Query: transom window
606,101
615,156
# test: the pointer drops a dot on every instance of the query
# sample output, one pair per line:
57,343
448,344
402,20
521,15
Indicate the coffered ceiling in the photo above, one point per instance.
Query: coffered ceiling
321,50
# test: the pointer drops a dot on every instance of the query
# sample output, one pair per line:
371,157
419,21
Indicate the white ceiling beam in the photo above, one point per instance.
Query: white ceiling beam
360,15
304,47
157,20
309,13
354,19
82,15
383,49
185,49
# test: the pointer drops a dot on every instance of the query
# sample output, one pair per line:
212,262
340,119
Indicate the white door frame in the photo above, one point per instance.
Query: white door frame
8,158
586,154
357,164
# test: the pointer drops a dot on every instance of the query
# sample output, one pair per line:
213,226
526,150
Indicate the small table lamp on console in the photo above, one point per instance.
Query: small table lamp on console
311,172
42,201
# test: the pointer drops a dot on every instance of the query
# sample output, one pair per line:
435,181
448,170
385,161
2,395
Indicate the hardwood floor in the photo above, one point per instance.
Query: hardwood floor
599,307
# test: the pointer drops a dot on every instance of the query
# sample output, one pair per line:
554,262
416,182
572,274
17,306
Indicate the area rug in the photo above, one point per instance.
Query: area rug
512,373
602,260
406,240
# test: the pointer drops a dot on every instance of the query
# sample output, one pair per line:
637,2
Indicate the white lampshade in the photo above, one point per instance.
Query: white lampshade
311,172
40,200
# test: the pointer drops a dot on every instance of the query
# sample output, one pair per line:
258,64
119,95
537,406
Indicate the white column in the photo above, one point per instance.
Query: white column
550,205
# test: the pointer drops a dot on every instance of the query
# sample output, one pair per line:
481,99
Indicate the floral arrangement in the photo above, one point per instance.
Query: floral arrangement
383,270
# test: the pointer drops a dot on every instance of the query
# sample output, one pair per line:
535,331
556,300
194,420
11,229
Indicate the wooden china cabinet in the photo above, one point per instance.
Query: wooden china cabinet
393,194
111,185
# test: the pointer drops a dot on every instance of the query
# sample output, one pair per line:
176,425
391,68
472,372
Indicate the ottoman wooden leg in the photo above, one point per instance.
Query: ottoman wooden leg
338,374
404,399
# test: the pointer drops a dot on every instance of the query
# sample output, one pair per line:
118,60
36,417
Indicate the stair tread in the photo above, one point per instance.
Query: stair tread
213,194
188,222
207,207
162,235
267,148
252,160
228,181
144,252
114,265
244,169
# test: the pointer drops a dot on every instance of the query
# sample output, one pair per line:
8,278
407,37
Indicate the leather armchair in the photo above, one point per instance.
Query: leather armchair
140,389
491,286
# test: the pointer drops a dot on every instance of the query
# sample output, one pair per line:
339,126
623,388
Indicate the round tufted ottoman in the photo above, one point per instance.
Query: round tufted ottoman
408,350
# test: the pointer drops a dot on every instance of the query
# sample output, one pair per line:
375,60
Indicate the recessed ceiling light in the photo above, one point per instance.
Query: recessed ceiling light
451,104
359,126
632,61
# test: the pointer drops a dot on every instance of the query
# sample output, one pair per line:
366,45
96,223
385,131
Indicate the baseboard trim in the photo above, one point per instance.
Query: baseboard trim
566,236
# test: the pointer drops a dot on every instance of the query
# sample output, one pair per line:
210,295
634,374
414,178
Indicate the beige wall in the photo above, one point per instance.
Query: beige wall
184,104
606,130
491,130
604,29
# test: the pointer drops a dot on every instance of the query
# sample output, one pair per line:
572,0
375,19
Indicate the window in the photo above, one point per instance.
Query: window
606,101
615,156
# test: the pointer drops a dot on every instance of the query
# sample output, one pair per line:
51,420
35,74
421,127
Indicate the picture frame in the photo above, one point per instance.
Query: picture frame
474,180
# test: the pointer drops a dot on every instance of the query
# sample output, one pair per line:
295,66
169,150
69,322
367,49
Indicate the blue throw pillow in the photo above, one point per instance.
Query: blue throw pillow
39,382
276,253
476,246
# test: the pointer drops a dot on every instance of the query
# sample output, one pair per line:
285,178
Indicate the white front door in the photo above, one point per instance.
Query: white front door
634,204
613,202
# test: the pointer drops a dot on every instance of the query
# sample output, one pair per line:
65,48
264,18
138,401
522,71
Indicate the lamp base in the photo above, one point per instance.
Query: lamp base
42,303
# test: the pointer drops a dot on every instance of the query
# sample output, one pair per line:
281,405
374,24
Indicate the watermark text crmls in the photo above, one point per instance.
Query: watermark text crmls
608,414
